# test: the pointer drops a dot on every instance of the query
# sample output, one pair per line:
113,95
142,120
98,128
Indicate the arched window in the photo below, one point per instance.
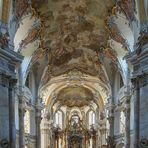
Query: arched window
58,119
91,118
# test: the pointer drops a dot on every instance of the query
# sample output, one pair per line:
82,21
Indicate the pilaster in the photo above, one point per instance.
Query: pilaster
45,131
21,121
139,61
103,131
127,121
9,61
39,107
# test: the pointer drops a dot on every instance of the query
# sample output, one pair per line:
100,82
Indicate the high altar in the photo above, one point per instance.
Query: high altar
76,135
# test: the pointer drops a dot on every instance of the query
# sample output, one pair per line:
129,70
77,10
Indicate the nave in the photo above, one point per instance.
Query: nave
73,73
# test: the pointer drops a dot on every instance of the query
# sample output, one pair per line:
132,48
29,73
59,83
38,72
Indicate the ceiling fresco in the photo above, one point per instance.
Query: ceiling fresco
73,35
76,35
66,28
75,96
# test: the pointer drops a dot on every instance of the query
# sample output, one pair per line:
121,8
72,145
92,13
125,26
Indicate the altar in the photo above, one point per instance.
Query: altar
76,135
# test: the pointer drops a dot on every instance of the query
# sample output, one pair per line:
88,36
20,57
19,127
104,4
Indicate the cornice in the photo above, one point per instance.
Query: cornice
8,62
134,57
11,55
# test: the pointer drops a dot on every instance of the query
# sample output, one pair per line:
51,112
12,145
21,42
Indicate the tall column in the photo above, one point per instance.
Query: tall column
110,139
103,131
127,122
21,121
9,61
7,114
103,136
45,133
139,61
38,132
111,121
12,114
4,110
136,114
21,109
110,108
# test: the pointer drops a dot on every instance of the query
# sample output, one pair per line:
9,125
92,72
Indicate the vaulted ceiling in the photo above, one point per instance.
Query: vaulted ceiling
88,36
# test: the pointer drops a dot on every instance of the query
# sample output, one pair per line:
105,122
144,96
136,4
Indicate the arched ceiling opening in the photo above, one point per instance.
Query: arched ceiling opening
74,90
